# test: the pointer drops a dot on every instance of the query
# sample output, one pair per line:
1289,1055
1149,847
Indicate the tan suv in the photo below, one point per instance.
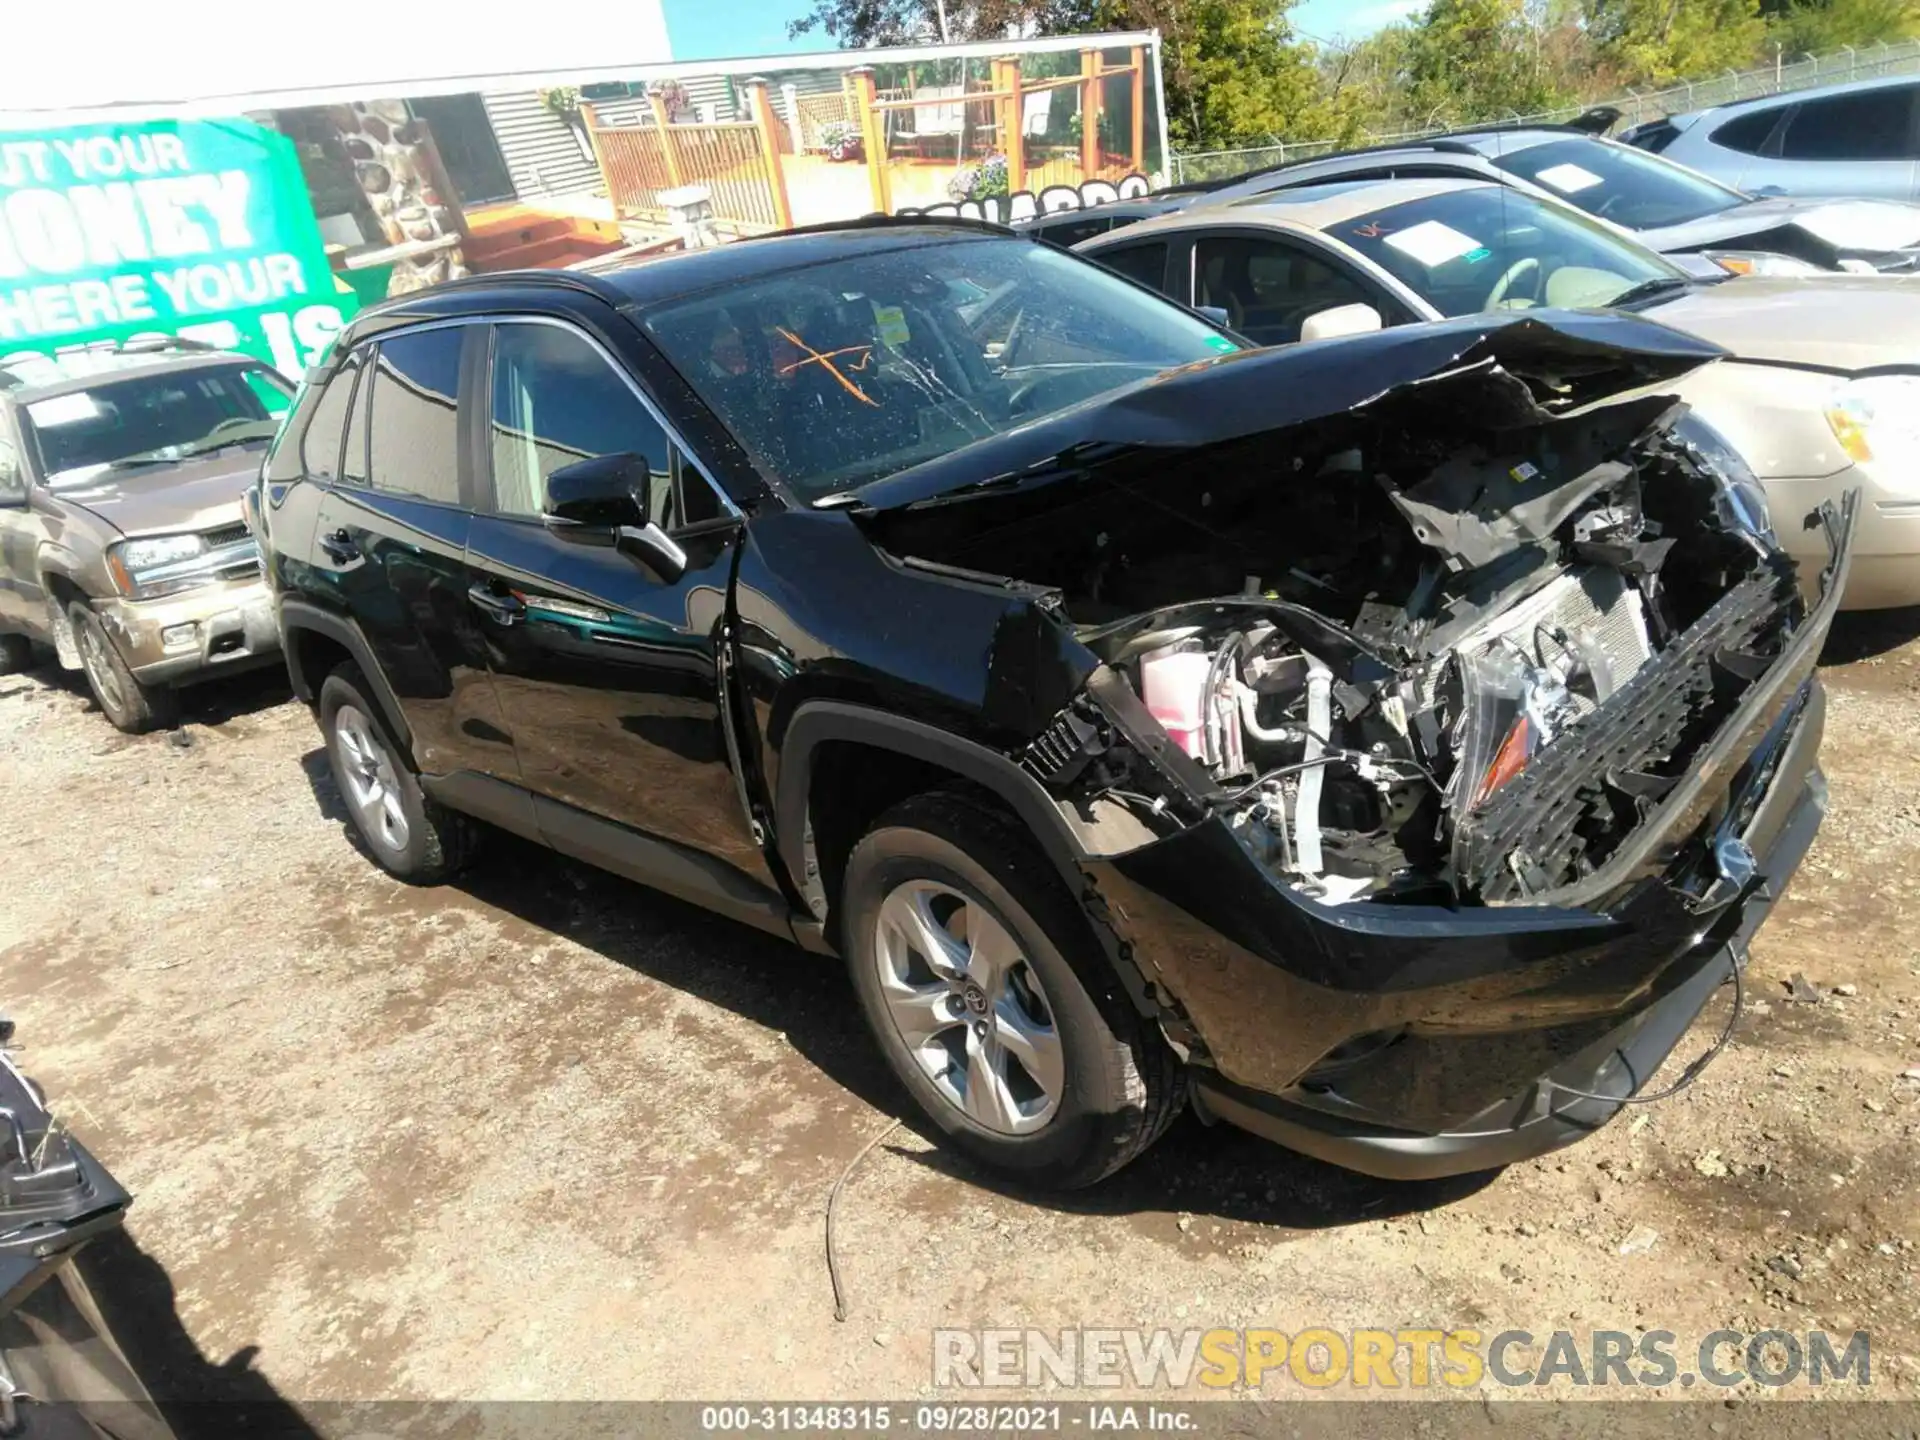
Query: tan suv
122,544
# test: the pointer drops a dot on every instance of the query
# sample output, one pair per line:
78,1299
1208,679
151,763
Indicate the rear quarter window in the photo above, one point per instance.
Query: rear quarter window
1748,133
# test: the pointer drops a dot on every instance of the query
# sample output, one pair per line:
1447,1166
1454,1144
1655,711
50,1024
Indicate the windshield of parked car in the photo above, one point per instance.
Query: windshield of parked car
837,374
1491,248
1628,187
153,419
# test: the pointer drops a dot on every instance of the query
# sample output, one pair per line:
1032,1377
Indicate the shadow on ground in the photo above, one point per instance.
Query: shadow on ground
212,702
202,1399
1215,1171
1862,634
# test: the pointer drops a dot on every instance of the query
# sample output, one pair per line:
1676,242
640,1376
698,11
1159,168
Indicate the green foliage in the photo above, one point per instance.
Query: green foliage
1658,42
1236,75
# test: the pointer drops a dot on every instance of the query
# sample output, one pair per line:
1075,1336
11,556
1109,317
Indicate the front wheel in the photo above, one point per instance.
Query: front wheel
992,1002
130,705
412,837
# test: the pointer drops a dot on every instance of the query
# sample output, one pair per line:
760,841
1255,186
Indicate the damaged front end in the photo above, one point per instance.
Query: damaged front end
1448,716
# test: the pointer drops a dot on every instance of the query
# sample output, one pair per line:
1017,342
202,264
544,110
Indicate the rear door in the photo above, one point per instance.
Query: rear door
1856,144
608,673
391,541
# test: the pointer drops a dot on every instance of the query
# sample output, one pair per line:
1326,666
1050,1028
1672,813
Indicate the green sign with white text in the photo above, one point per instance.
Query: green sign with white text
197,228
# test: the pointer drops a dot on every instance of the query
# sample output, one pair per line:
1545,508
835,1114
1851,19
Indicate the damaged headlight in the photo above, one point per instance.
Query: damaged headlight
1743,500
1878,421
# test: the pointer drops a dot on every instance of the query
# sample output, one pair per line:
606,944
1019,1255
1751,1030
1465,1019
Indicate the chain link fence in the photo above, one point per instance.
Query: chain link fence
1635,107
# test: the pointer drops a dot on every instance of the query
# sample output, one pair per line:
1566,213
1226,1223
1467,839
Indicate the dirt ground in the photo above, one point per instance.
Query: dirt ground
546,1134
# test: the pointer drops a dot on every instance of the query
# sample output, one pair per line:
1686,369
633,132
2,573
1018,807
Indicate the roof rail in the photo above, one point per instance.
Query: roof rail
582,281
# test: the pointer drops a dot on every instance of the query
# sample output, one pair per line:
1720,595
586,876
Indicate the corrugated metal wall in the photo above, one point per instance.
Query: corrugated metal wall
541,154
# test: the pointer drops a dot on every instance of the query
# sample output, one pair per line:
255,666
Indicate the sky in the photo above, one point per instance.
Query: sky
721,29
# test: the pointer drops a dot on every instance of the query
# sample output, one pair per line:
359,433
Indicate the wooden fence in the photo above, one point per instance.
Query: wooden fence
816,112
738,162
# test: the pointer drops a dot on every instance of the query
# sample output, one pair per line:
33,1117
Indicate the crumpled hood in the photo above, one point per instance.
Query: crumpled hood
1841,323
1521,370
1847,227
196,494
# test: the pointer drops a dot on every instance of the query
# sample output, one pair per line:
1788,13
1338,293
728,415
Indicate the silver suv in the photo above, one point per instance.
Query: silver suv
122,543
1854,140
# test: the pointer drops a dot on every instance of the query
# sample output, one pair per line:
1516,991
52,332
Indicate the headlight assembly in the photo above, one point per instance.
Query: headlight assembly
1743,500
157,565
1760,262
1877,421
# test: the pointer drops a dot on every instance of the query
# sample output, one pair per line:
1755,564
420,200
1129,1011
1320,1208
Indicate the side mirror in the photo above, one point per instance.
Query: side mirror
1341,320
1217,314
652,547
604,492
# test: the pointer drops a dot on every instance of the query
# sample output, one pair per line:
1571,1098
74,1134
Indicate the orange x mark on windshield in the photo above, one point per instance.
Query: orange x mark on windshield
814,356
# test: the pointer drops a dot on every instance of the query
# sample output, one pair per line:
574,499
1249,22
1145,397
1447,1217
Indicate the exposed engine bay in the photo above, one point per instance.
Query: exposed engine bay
1446,651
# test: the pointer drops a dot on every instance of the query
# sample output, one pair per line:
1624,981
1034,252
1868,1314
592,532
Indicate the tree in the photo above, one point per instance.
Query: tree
1474,60
1658,42
1808,27
856,24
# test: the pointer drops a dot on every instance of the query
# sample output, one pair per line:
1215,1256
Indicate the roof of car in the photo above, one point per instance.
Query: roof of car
1312,207
40,377
1812,92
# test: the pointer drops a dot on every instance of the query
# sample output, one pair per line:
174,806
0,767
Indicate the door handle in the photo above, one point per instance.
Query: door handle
502,609
339,547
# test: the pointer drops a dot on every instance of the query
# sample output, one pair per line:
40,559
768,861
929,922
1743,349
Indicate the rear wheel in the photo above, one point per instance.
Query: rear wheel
411,836
992,1002
130,705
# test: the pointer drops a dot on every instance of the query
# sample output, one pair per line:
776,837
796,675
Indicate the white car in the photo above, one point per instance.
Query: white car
1820,391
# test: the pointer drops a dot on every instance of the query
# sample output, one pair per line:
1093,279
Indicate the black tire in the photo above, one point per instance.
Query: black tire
16,654
410,836
131,706
1122,1084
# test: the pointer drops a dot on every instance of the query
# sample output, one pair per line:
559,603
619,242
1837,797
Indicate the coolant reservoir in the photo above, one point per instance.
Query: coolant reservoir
1174,684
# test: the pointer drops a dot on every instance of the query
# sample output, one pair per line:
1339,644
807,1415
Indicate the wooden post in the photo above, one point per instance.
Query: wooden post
769,127
872,135
1014,137
1089,114
1138,76
665,126
591,121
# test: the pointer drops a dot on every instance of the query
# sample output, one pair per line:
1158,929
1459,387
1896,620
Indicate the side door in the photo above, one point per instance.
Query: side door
391,543
1860,144
610,675
1270,286
22,605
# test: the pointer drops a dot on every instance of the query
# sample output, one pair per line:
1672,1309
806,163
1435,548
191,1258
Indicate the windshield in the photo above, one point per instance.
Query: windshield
834,375
1628,187
1492,248
153,419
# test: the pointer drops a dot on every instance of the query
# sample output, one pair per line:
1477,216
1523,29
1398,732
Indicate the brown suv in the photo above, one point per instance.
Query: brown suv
122,543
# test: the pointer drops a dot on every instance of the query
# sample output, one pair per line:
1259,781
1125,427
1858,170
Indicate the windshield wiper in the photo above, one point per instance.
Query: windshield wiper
1650,289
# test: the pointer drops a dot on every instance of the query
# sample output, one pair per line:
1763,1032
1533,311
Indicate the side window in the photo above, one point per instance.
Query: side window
353,461
320,441
1748,133
557,401
413,436
1870,125
1069,233
1145,263
1269,289
13,485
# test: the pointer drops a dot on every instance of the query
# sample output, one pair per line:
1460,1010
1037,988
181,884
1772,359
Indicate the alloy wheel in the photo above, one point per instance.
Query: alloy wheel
101,673
370,778
969,1007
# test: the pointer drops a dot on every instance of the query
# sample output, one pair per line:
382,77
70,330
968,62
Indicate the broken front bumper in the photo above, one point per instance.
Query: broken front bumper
1415,1041
228,625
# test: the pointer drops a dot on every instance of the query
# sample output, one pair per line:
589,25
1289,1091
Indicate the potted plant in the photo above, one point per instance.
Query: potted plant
841,139
673,99
984,181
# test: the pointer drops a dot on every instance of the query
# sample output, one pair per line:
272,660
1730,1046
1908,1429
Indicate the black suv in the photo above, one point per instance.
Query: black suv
1391,742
